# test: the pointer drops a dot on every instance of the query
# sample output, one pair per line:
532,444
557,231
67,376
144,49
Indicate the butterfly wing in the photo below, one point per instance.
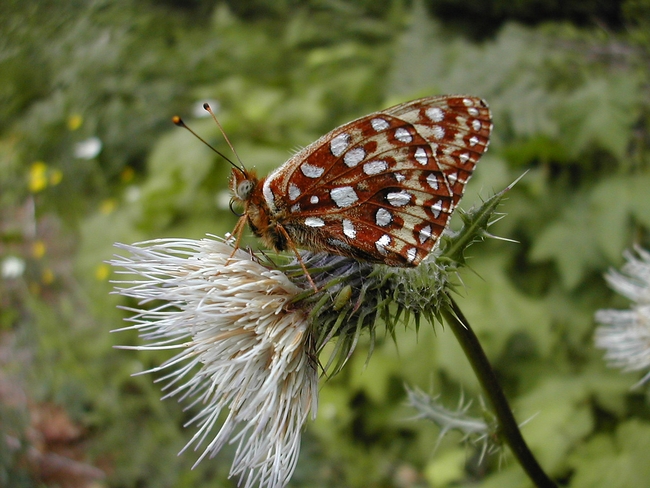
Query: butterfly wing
382,187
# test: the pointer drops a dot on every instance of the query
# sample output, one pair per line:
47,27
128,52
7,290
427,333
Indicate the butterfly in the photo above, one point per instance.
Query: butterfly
381,188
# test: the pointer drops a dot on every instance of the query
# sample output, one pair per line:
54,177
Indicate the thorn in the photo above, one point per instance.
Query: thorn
509,187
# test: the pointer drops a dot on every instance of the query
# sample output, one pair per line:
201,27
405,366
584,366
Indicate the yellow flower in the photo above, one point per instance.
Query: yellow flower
127,174
107,206
38,249
37,176
55,177
102,272
75,121
47,278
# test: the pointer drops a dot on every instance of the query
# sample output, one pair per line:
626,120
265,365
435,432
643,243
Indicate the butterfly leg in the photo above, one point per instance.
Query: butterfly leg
239,229
295,251
237,232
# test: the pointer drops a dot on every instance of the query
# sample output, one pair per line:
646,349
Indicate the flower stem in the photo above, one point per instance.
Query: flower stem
508,427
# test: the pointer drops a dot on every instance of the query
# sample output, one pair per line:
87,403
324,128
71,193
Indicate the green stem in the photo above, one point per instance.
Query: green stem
508,427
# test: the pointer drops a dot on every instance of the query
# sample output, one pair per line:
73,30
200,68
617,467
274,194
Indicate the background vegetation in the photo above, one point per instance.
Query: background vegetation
88,157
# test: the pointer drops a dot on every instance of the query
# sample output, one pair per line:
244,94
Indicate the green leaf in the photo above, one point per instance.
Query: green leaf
638,195
614,461
497,311
613,201
446,468
570,243
558,417
178,166
600,114
511,476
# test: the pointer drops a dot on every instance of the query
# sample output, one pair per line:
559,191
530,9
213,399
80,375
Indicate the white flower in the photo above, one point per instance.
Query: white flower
243,349
625,334
12,267
88,149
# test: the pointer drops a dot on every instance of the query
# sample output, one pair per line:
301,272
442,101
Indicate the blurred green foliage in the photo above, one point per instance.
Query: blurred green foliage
571,105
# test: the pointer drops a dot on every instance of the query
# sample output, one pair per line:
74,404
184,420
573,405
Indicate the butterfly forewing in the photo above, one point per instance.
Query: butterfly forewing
382,187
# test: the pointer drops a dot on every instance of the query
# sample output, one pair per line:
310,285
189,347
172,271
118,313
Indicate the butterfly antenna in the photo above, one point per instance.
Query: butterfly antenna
207,108
179,122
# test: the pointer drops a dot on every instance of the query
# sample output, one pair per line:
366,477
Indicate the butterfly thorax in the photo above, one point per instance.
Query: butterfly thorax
246,190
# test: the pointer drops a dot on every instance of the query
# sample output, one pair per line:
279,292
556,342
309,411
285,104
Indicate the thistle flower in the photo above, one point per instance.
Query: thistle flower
249,331
625,334
242,348
245,328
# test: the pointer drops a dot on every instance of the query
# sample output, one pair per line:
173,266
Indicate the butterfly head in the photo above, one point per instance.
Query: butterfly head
242,184
246,192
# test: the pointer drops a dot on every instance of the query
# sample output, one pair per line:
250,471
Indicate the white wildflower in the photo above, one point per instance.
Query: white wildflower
12,267
625,334
89,148
242,349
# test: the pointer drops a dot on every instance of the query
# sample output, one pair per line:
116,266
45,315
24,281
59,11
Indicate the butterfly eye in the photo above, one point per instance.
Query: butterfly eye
244,189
